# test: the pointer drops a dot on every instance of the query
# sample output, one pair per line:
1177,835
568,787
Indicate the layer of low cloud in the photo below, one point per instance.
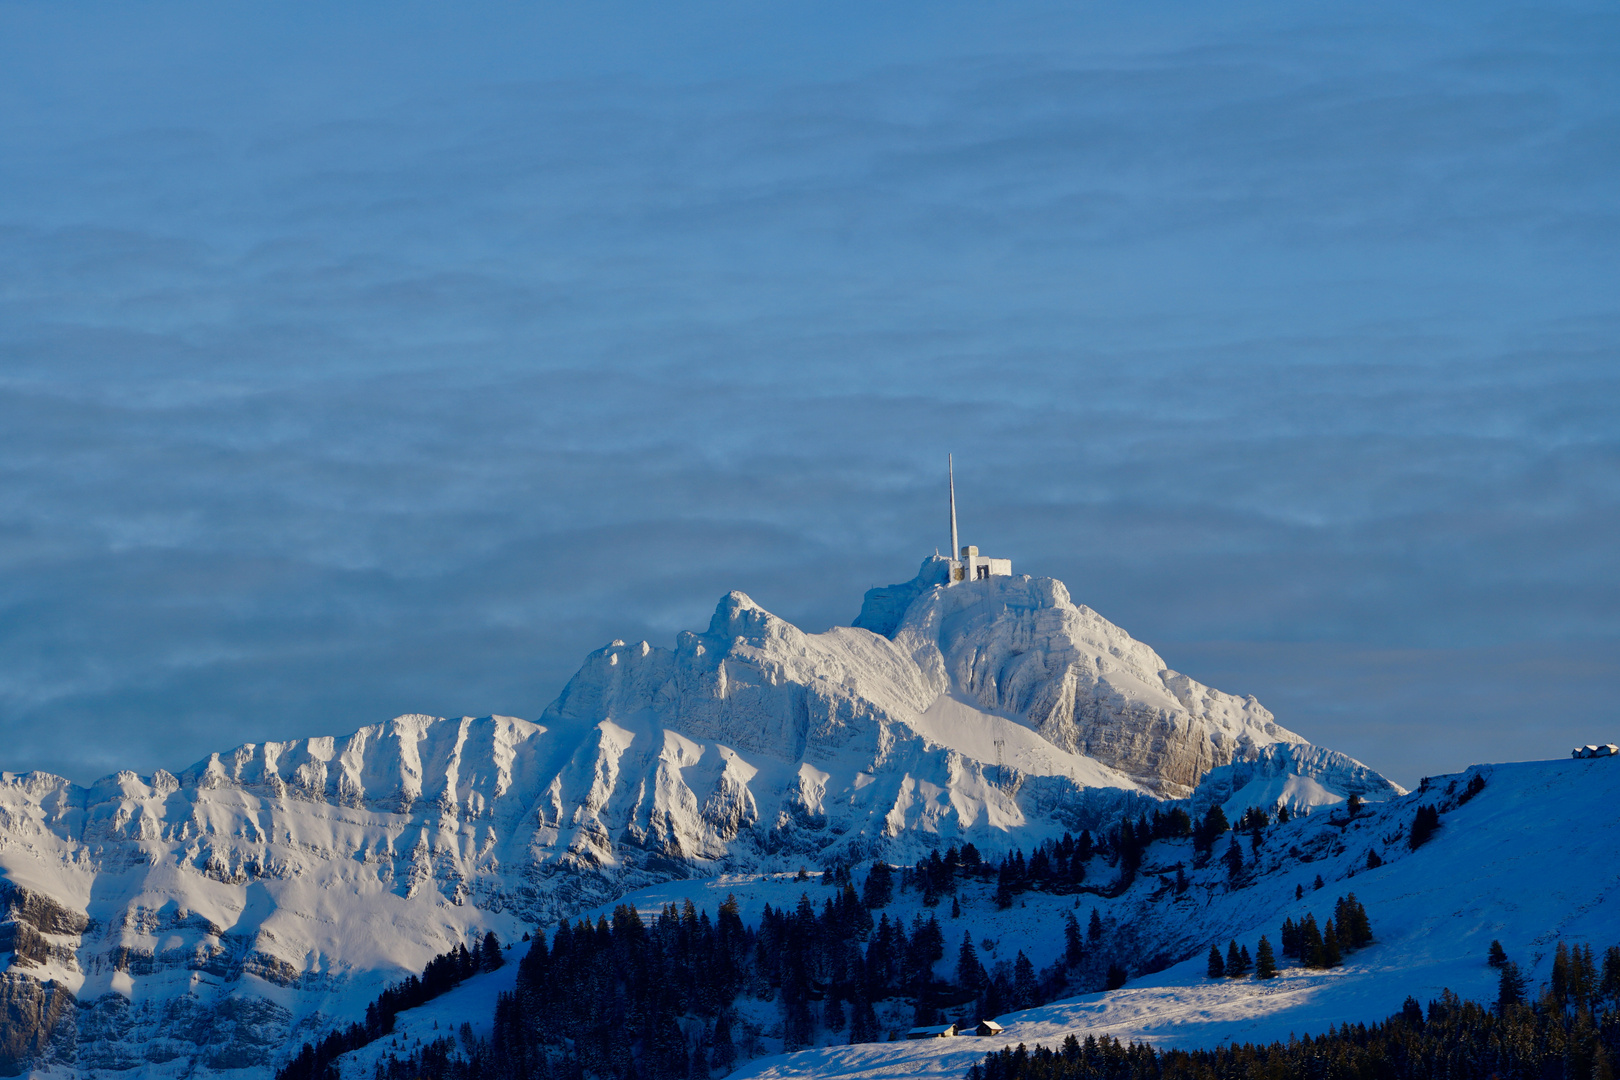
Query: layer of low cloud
389,364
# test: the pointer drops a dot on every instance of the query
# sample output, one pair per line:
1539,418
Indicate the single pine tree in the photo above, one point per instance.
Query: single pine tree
1073,942
1234,961
1510,987
1265,964
1560,983
1026,991
491,957
1234,860
969,972
1217,966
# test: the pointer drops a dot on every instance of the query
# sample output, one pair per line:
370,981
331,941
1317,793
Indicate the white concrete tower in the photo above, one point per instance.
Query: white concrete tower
950,468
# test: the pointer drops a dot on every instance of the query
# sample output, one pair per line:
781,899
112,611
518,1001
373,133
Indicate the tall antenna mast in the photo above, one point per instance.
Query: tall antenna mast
950,466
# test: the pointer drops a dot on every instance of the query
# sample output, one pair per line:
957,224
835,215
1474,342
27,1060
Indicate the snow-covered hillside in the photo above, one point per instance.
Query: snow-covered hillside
207,918
1529,861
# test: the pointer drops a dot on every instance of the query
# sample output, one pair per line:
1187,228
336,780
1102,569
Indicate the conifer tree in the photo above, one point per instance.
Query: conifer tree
1265,964
969,972
1310,942
1217,966
879,888
1234,961
1213,825
1509,987
1234,859
1558,986
1497,955
1094,930
491,953
1073,944
1025,990
1331,954
1609,984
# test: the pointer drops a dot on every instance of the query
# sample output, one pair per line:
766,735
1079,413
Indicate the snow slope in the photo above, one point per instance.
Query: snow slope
207,919
1530,861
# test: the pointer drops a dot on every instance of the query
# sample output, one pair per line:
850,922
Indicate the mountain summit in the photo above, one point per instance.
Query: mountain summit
204,916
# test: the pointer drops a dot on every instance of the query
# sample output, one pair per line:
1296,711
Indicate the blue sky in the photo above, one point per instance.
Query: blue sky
389,359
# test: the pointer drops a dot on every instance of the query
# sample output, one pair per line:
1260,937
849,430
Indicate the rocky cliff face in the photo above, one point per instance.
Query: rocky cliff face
215,917
1021,648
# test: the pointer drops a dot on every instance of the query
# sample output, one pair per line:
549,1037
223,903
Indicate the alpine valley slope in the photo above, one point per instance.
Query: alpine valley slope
1530,859
210,920
1531,862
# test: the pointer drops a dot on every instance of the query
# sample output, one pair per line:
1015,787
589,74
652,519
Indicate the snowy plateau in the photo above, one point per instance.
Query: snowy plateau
210,921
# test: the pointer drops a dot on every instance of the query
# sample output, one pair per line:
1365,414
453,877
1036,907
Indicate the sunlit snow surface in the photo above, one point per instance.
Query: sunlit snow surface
1531,861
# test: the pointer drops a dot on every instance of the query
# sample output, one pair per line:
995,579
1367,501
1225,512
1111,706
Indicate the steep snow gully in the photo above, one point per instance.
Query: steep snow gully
210,919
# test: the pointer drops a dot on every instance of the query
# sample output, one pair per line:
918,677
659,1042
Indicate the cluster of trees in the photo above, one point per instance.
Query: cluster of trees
657,1002
626,998
443,973
1314,947
1424,824
1426,821
1576,985
1055,866
1326,946
1555,1039
1061,866
1238,963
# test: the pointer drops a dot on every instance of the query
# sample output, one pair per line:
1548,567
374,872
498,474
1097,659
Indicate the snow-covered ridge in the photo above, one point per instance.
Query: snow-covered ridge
291,879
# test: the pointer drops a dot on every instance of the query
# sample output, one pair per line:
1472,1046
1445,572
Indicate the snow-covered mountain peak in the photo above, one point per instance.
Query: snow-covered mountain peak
301,874
1020,647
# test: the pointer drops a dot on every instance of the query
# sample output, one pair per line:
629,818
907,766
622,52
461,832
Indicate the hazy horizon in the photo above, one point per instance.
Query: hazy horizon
389,359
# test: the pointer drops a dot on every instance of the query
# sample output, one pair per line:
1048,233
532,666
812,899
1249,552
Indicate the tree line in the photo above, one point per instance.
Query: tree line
628,998
445,972
1571,1032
